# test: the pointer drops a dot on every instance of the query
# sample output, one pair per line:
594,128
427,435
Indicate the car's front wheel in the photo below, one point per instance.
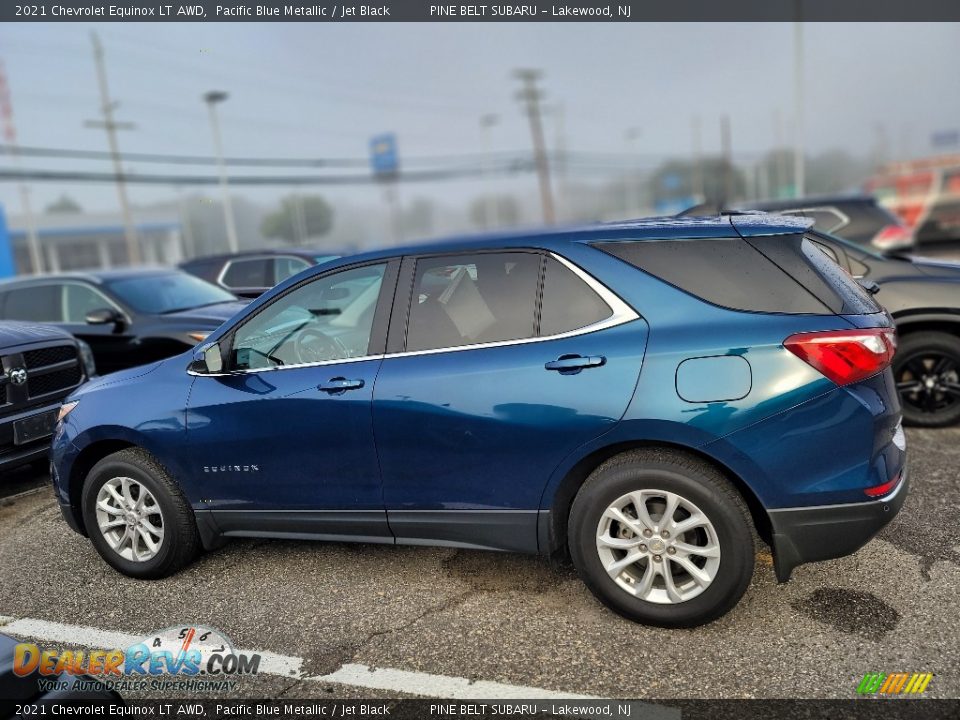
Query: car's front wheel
136,516
662,538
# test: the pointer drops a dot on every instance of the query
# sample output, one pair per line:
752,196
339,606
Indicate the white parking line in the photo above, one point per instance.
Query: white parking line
364,676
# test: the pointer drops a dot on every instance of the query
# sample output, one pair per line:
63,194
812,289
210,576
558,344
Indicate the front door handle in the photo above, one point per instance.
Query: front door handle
572,364
338,385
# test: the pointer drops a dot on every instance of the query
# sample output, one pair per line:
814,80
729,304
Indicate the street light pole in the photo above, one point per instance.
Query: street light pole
212,98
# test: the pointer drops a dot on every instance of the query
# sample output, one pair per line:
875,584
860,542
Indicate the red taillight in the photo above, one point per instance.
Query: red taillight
893,237
885,489
845,356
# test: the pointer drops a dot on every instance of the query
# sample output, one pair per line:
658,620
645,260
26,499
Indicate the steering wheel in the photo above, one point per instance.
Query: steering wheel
311,345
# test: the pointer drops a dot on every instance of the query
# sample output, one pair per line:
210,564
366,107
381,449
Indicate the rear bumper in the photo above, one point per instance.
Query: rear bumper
810,534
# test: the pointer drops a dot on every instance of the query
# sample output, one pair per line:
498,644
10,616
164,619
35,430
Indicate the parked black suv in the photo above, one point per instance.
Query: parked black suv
250,274
858,218
129,317
41,365
923,295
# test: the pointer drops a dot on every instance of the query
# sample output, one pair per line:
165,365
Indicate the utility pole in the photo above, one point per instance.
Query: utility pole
111,126
10,135
697,161
799,162
212,98
530,95
487,122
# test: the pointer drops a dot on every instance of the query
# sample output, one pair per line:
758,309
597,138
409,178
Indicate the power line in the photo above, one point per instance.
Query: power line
355,179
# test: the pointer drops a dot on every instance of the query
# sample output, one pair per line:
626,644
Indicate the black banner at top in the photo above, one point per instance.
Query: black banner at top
440,11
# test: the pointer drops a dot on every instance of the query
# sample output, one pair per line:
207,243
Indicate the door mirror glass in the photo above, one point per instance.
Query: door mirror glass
212,358
102,316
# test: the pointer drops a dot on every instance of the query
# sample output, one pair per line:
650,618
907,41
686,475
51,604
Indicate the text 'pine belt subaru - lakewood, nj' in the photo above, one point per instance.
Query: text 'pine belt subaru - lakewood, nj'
642,395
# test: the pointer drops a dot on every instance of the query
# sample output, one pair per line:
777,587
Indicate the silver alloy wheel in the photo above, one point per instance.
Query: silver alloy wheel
130,519
658,546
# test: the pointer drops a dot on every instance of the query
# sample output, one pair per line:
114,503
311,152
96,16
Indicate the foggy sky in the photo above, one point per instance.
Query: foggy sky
317,89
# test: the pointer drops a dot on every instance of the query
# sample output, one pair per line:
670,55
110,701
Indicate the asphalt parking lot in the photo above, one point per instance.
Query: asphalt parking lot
364,620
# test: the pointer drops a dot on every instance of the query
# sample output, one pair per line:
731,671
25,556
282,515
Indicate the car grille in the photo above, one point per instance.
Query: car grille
53,381
51,371
49,356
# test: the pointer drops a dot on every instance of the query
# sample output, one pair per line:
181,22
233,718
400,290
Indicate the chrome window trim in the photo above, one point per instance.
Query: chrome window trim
621,313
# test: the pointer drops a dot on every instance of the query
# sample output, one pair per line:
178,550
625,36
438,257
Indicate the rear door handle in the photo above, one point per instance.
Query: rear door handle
338,385
571,364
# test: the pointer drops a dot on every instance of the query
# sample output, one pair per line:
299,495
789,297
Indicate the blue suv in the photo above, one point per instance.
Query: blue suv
647,396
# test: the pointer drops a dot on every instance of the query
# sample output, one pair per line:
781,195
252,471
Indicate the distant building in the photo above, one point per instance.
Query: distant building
88,241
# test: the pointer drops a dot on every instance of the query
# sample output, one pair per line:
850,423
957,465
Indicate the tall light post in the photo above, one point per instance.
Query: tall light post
487,123
212,98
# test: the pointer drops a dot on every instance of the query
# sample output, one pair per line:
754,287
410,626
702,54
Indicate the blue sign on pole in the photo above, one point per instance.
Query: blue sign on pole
383,155
7,268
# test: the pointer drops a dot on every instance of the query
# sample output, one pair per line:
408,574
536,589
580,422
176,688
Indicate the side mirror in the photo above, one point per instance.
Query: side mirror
103,316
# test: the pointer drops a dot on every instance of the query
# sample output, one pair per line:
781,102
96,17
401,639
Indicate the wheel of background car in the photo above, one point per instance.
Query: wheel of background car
312,346
137,517
662,538
927,371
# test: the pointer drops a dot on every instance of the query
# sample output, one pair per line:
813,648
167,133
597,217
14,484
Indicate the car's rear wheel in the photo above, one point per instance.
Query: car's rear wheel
662,538
136,516
927,371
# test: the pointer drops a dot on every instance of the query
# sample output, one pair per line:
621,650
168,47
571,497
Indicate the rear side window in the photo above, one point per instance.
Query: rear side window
724,271
473,299
40,303
249,273
806,263
568,302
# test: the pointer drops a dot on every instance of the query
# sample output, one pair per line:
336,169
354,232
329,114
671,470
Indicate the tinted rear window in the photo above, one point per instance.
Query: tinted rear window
777,274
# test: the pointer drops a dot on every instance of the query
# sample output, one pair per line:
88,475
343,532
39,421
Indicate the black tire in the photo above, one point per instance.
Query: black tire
180,542
696,481
919,352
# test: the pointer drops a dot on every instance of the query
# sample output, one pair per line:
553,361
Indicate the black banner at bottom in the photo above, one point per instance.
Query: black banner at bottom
854,709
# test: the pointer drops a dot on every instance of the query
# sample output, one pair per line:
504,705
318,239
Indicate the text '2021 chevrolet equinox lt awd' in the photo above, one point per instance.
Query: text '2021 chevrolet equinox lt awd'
645,395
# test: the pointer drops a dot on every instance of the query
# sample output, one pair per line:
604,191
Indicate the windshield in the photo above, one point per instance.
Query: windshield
167,293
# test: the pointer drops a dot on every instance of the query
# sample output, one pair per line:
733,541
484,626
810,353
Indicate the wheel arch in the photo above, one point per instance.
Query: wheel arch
552,530
927,321
84,462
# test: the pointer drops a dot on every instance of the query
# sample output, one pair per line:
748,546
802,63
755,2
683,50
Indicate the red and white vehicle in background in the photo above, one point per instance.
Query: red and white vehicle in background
925,194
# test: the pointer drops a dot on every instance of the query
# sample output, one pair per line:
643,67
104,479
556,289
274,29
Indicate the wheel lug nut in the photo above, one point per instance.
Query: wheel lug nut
647,533
657,558
671,551
643,548
665,534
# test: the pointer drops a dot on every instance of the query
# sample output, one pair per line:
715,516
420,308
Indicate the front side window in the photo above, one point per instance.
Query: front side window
473,299
327,319
285,267
568,302
78,300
